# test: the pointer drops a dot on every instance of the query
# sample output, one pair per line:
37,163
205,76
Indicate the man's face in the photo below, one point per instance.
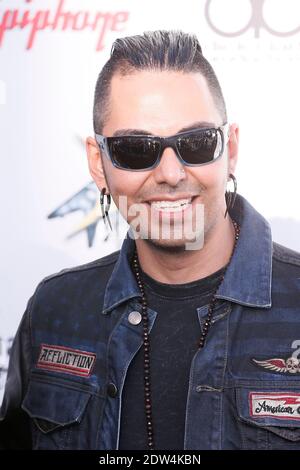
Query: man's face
163,103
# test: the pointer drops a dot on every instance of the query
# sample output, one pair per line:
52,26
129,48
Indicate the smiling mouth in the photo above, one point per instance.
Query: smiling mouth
172,206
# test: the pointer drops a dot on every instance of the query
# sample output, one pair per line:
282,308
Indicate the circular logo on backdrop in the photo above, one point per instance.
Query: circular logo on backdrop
277,18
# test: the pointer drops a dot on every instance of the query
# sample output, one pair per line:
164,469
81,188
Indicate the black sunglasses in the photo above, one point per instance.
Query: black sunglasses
142,152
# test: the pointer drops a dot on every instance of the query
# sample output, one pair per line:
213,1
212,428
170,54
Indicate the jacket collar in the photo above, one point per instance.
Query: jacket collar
248,277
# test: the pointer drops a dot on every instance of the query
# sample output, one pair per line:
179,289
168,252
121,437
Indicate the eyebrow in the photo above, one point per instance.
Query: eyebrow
195,125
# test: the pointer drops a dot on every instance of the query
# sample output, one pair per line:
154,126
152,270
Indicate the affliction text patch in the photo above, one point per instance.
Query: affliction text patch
275,404
62,359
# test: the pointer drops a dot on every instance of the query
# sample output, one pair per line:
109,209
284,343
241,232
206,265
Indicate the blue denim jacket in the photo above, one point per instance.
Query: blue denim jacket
76,341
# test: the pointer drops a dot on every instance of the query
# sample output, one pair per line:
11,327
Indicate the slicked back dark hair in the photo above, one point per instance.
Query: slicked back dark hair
158,50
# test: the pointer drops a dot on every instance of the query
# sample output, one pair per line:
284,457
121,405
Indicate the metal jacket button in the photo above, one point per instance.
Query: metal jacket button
134,317
112,390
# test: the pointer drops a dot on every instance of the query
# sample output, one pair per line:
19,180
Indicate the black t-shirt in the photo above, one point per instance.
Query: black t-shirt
173,343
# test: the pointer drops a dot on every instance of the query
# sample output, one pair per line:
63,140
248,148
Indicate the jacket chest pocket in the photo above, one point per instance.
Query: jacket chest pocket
58,411
269,418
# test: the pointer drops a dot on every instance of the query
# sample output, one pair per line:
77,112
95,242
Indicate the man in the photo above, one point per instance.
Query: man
183,339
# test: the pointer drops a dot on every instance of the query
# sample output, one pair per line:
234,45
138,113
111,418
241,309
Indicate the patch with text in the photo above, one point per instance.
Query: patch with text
63,359
275,404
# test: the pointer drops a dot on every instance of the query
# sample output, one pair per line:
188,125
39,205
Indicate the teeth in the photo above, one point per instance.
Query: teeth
171,205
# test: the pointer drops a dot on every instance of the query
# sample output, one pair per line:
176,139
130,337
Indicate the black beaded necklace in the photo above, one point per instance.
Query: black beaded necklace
146,341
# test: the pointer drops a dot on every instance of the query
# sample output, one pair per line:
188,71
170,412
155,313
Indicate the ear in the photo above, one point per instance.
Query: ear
95,162
233,147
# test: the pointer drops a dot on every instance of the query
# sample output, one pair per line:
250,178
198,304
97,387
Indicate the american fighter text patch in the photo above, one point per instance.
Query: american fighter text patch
63,359
275,404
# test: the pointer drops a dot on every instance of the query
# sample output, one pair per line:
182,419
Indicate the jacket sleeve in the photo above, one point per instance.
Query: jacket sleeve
14,422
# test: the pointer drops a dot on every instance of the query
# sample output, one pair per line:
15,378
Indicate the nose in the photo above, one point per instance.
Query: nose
169,170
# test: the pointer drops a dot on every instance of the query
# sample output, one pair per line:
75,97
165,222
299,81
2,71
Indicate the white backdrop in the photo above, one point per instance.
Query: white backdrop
49,62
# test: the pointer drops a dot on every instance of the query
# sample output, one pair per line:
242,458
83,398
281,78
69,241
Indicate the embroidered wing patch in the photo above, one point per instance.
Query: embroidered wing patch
288,366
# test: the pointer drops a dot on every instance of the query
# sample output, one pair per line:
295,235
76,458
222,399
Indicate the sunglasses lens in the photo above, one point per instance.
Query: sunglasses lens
201,147
134,153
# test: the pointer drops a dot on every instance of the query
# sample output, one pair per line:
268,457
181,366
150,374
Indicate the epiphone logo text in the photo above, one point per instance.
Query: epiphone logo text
59,18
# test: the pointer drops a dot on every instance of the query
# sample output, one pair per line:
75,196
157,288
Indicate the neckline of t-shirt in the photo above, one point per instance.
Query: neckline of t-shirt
203,286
